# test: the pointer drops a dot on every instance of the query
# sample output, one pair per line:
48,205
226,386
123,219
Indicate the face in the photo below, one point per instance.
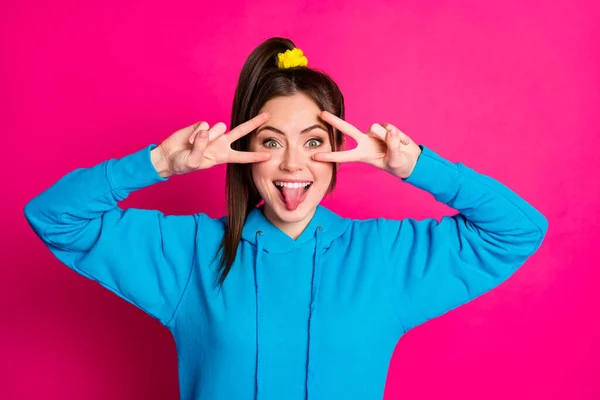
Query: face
291,183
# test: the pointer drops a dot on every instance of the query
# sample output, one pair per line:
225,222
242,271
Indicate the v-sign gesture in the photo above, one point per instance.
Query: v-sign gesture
384,147
197,147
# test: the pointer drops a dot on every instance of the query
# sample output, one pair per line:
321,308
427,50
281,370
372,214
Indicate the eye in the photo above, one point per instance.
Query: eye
268,143
314,142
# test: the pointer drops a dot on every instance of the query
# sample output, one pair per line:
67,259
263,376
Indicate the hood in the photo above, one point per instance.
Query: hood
324,227
276,241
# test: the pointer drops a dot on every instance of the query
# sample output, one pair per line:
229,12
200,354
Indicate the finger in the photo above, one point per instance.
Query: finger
336,156
404,139
248,126
341,125
246,157
217,130
203,125
377,131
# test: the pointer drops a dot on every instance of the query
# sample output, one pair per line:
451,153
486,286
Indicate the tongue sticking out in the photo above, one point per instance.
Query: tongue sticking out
293,197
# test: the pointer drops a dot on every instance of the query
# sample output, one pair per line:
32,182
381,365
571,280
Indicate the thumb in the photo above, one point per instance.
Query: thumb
196,128
197,153
392,141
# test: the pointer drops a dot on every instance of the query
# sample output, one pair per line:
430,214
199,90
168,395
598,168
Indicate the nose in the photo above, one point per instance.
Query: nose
293,160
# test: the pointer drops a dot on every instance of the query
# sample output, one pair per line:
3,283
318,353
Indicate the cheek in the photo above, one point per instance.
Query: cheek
262,172
257,173
324,172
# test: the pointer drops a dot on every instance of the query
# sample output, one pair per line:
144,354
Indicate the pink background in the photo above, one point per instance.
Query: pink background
508,88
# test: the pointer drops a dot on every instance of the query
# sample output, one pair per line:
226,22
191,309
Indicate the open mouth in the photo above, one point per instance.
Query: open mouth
280,187
292,194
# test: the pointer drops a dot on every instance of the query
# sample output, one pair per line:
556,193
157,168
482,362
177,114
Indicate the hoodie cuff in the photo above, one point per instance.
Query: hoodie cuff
434,174
132,172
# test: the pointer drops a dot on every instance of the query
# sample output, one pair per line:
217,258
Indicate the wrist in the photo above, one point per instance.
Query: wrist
160,162
405,174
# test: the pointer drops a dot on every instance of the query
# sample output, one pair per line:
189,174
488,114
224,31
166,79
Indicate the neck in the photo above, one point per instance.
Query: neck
292,229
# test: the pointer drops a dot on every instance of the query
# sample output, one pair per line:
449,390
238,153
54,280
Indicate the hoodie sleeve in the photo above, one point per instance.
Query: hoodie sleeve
142,256
438,266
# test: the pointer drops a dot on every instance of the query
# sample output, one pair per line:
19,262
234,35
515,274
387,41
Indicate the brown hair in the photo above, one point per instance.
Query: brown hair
260,81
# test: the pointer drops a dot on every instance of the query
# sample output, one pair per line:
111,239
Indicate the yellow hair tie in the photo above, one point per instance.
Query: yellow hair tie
291,58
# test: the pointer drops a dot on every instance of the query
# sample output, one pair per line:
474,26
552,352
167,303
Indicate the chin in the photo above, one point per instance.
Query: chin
299,214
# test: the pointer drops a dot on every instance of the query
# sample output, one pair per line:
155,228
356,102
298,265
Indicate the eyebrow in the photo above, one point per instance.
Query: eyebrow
310,128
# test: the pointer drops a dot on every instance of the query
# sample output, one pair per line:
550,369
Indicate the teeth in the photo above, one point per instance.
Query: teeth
292,185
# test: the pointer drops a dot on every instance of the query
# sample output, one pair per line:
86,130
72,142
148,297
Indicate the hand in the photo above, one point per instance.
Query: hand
384,147
197,147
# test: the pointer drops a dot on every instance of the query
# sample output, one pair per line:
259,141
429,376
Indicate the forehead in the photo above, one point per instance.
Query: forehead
297,109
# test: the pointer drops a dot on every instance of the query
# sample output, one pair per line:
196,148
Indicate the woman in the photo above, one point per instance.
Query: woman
286,300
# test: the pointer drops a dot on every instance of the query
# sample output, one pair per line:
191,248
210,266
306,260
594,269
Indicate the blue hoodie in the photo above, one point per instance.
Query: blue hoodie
317,317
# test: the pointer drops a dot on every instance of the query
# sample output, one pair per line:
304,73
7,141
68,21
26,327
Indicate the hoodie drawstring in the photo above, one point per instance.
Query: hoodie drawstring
316,277
257,269
313,296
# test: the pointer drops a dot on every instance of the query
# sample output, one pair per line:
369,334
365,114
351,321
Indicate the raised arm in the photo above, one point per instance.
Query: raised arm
438,266
143,256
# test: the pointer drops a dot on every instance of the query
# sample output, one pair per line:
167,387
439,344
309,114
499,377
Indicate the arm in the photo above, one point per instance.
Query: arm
142,256
438,266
